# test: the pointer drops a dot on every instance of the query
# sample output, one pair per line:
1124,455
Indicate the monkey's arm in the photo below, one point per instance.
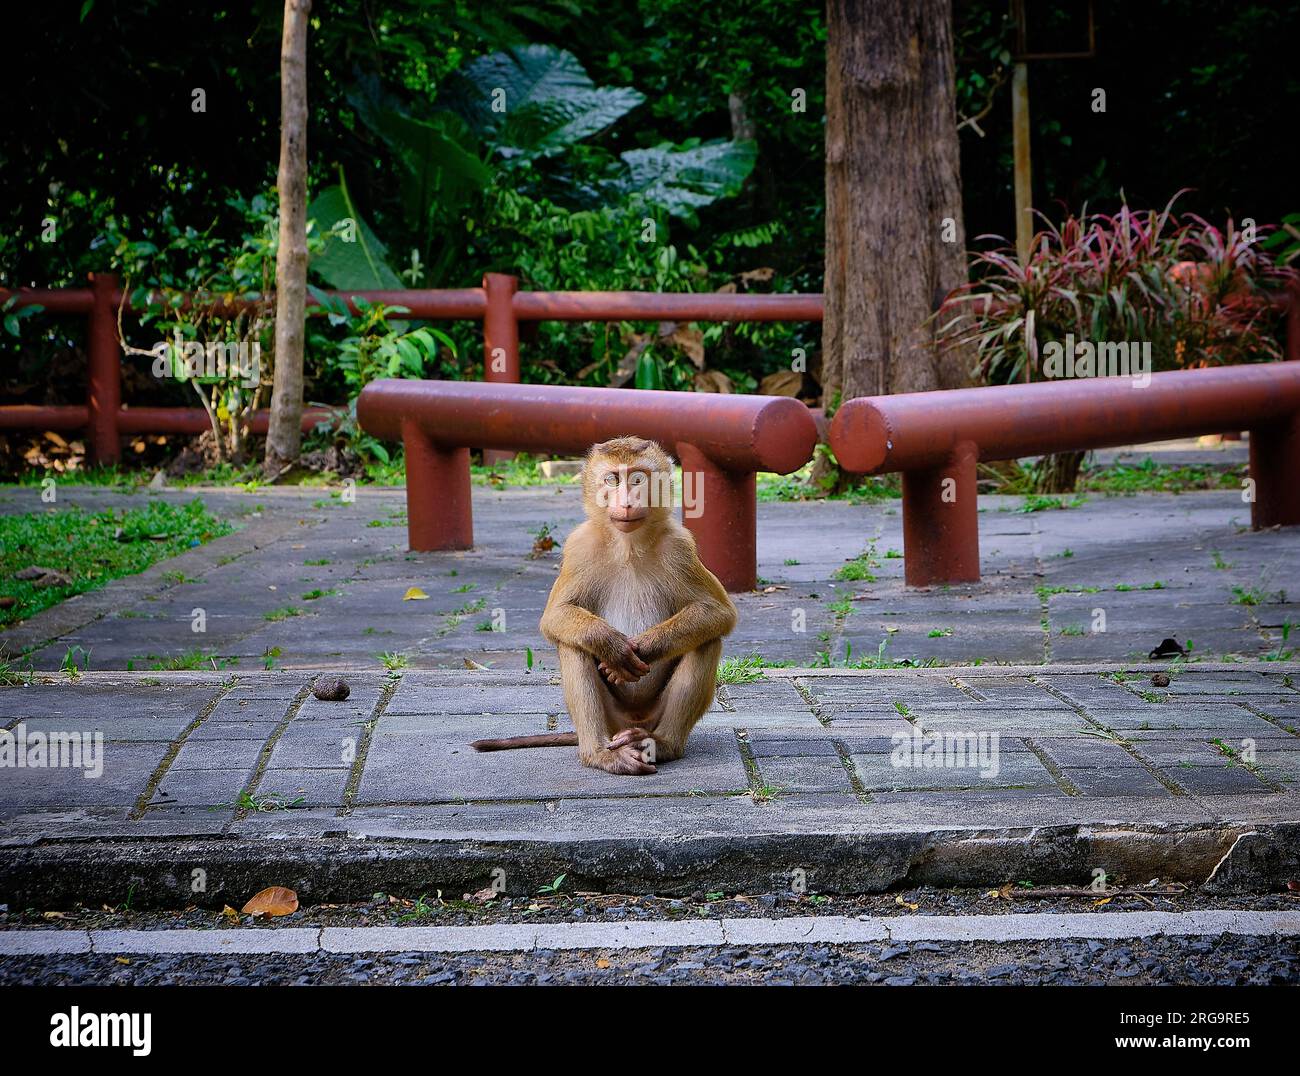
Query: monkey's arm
565,622
707,615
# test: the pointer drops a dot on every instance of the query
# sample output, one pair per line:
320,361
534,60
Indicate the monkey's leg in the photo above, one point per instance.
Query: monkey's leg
590,705
687,695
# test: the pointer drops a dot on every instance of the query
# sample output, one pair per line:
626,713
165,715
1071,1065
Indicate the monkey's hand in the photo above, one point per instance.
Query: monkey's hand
618,660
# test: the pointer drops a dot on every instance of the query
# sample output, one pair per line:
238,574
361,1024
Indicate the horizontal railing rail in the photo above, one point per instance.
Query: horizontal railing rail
498,304
937,439
721,440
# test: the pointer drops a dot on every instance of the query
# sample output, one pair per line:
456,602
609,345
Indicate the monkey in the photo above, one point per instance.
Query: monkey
637,619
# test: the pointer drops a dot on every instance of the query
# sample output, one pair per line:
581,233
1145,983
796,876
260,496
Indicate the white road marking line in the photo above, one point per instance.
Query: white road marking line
527,937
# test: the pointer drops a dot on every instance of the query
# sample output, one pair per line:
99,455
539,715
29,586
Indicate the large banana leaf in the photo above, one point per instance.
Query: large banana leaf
544,101
682,180
437,164
361,265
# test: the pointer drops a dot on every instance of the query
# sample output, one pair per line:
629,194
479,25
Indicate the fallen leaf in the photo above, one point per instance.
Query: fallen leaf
273,901
53,915
414,594
485,895
121,960
1102,903
781,383
602,963
229,913
904,904
470,663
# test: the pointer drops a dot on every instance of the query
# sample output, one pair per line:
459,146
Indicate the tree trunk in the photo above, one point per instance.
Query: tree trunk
895,244
284,437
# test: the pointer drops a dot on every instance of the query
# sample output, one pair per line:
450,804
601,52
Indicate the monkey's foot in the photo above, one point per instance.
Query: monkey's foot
631,753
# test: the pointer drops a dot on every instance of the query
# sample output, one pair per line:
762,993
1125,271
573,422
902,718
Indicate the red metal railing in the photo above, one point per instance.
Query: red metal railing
720,440
937,439
498,304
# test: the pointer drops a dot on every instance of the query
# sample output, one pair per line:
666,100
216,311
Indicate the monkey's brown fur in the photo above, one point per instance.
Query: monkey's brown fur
637,619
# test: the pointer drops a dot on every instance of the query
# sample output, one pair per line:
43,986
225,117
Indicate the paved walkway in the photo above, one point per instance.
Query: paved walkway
1013,759
857,780
311,581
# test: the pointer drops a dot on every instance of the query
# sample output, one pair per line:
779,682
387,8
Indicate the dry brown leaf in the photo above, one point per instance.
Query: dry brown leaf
229,913
470,663
485,895
686,339
905,904
274,901
1102,903
602,963
712,381
121,960
758,276
781,383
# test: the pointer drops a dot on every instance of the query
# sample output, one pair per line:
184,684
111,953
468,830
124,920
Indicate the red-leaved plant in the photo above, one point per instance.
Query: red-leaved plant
1200,296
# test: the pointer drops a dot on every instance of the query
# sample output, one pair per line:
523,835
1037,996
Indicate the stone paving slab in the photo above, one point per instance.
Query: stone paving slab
350,797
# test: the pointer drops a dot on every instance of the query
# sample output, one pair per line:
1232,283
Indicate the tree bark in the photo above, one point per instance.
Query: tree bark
895,243
284,436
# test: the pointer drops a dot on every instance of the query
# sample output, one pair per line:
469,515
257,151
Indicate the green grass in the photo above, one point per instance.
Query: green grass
282,614
741,670
856,570
1150,476
93,548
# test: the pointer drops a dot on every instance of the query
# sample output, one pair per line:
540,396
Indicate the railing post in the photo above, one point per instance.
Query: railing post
1275,471
104,380
720,508
941,537
438,508
500,340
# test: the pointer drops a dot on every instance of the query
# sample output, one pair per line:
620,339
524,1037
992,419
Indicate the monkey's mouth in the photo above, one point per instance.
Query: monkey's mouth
629,522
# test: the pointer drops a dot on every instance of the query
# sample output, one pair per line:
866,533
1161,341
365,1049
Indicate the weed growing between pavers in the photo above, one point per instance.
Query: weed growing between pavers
90,549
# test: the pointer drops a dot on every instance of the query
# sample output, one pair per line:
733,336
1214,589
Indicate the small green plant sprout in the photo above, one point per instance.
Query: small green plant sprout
790,562
856,570
283,613
938,633
1072,629
553,888
528,658
1066,553
75,661
1221,564
421,909
393,661
1248,595
269,656
740,670
1283,652
893,554
903,709
543,541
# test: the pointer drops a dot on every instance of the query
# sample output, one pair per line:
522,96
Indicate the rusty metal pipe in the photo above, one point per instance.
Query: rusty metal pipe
936,440
916,430
721,440
42,417
739,432
664,306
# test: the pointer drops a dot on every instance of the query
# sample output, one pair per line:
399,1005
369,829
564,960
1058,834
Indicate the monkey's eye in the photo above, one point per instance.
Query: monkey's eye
611,479
636,478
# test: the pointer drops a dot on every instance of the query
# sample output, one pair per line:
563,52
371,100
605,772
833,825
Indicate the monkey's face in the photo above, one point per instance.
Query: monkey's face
628,488
626,496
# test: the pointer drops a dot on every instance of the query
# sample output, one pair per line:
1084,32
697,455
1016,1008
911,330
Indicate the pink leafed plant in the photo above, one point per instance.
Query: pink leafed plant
1198,295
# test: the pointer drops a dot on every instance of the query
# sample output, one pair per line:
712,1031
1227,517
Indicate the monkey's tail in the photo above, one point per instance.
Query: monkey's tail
549,739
